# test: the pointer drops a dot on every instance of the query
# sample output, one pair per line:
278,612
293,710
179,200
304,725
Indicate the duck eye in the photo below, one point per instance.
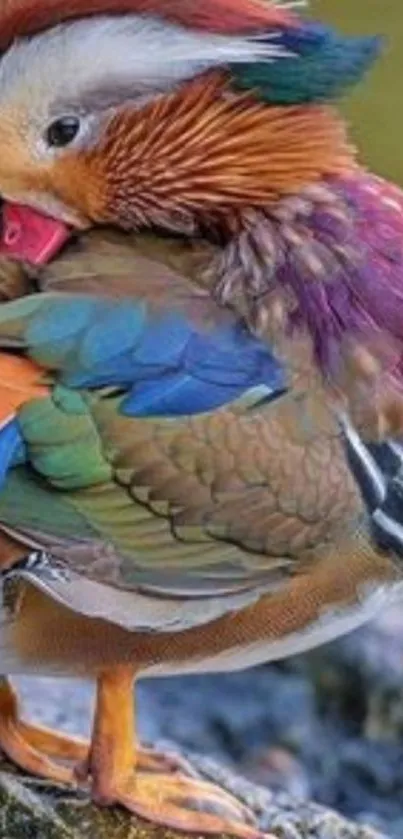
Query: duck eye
62,131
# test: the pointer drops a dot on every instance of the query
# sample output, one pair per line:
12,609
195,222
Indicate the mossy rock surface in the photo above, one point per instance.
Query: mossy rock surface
33,809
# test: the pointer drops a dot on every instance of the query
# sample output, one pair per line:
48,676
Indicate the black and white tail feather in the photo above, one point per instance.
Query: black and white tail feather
378,470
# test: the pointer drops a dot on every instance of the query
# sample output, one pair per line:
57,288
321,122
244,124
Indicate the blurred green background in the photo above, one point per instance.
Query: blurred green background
376,107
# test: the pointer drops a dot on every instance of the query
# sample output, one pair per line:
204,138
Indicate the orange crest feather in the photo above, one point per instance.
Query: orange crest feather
198,153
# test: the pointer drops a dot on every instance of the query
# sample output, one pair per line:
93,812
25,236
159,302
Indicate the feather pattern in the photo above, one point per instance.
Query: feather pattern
220,504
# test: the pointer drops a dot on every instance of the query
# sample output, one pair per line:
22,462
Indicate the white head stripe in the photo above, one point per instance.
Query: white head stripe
135,53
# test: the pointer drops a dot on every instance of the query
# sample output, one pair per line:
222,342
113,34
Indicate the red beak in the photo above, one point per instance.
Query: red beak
29,236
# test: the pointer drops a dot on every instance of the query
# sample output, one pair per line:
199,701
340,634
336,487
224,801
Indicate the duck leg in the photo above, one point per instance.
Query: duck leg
173,800
47,753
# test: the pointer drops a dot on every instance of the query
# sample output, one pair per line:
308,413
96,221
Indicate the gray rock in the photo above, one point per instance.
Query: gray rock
31,809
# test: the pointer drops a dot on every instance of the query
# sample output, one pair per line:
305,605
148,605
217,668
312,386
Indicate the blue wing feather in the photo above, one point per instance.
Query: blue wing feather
12,448
169,364
173,369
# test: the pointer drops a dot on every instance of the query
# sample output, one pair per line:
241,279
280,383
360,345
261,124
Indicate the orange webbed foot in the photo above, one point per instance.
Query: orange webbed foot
181,803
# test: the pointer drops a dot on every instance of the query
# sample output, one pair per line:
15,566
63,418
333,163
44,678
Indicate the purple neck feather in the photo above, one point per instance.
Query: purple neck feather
334,253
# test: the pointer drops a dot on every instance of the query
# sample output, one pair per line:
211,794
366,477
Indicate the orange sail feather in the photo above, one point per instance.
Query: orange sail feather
20,380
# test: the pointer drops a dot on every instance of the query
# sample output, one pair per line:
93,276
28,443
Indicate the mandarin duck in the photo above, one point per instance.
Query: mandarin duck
197,395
